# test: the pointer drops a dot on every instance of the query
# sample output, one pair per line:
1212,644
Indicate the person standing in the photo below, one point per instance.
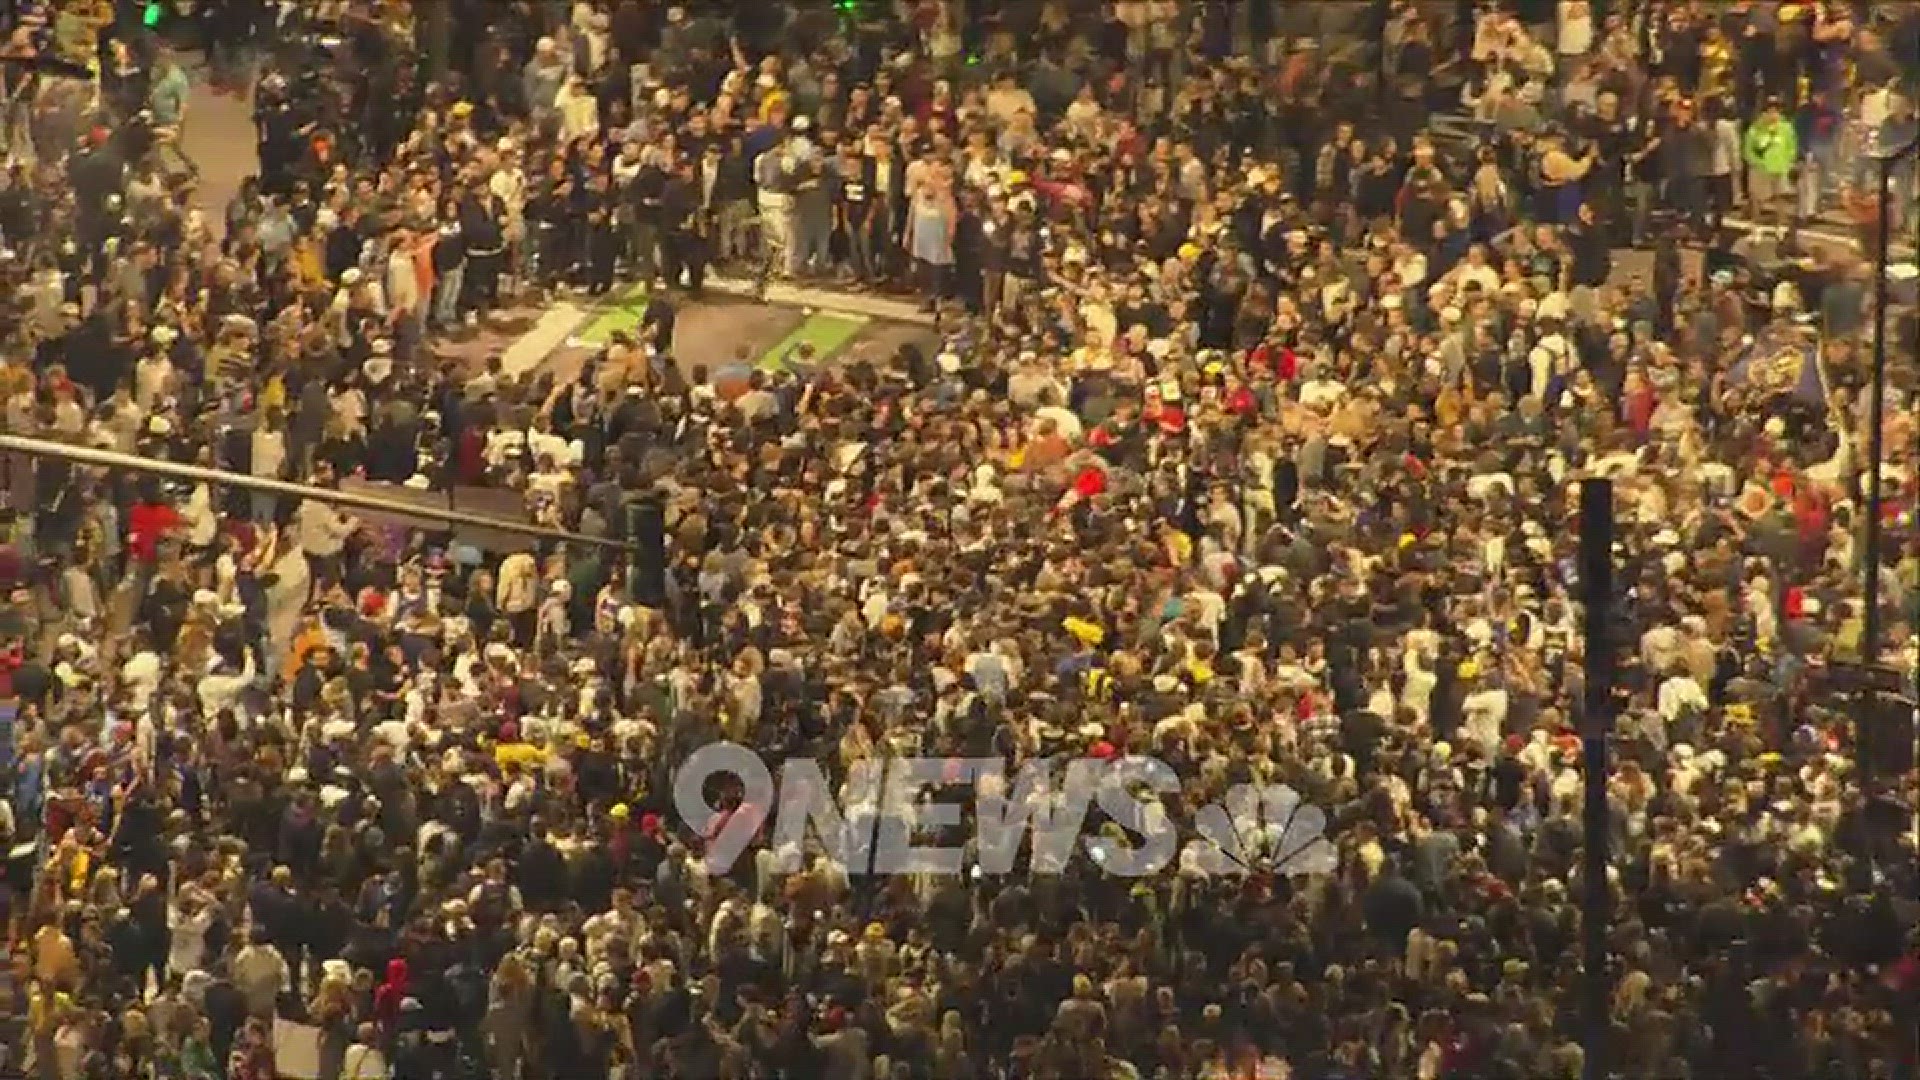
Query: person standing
1770,150
449,267
771,180
727,184
812,227
1643,176
853,211
541,80
486,245
649,180
167,98
1575,25
932,219
602,250
683,229
656,323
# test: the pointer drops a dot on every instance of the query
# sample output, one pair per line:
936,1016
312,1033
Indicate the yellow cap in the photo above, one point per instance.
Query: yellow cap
1088,633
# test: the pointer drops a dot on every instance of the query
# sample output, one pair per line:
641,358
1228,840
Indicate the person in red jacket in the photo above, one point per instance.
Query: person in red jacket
150,521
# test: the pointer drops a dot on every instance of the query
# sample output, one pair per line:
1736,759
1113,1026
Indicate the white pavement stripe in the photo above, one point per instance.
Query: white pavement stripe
556,325
828,301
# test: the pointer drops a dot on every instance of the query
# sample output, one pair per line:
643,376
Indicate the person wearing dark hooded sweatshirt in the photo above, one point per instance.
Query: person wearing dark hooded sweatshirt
430,1054
1392,906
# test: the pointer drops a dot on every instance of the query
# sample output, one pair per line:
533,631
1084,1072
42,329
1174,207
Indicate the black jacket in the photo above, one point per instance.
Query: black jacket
733,179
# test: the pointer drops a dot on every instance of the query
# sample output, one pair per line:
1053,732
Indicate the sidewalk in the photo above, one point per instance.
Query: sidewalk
829,300
1823,232
561,322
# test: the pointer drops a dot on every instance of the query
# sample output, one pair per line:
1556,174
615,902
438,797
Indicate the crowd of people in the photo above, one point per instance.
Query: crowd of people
1251,446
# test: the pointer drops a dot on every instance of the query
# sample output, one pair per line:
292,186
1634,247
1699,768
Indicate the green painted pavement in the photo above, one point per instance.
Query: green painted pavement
622,314
827,333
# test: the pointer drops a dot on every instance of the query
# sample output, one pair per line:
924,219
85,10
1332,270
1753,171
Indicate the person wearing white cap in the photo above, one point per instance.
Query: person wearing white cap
812,224
773,185
541,79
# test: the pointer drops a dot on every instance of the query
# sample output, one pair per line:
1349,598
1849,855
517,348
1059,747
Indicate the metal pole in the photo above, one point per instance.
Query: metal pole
1912,531
87,455
1596,903
1876,419
1876,448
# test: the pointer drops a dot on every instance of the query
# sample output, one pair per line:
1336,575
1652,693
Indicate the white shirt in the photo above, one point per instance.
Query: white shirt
269,452
403,283
187,946
323,531
1677,694
363,1062
547,444
579,113
518,588
1576,27
151,377
510,184
202,525
219,692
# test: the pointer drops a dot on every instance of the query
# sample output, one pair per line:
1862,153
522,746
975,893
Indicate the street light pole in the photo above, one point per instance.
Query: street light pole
1876,413
1886,157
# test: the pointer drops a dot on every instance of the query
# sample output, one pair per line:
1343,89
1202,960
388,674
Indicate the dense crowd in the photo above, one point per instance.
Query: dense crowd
1251,447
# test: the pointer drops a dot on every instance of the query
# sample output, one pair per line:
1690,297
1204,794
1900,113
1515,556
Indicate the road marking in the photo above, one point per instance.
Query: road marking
622,314
548,334
828,332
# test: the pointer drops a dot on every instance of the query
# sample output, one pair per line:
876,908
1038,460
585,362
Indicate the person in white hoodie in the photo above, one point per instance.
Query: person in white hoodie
518,594
188,918
323,530
578,109
219,691
260,973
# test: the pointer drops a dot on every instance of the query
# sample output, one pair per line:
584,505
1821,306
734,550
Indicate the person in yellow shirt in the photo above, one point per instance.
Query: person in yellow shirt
47,1009
56,964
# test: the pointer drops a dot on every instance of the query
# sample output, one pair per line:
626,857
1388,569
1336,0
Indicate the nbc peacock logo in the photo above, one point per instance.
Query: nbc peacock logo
1260,828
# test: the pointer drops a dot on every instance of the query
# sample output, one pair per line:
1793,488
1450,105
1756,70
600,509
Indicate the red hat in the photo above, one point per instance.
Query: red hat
1102,750
649,823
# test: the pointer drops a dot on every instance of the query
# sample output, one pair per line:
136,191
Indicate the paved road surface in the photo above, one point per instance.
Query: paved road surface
219,140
